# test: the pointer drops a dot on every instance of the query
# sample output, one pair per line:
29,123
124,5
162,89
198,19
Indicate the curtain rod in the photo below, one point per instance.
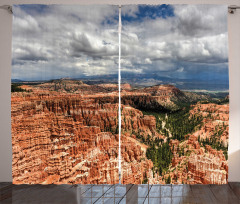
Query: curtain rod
231,9
7,7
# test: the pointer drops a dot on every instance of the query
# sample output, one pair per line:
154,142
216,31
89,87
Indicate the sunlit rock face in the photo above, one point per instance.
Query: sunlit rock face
66,131
71,136
159,98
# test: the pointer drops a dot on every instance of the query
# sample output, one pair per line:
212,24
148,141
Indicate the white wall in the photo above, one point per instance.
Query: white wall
5,95
5,76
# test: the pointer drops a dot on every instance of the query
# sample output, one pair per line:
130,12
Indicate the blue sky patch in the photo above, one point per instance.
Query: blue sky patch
152,12
33,9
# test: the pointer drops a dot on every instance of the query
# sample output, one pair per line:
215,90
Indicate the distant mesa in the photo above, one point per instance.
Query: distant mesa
162,88
108,85
16,80
126,86
144,80
66,81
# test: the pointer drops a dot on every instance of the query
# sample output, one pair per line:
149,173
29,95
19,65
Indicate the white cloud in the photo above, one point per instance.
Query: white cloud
83,40
71,40
181,69
196,34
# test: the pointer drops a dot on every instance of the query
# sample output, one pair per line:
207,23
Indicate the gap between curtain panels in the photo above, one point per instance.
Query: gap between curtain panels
119,95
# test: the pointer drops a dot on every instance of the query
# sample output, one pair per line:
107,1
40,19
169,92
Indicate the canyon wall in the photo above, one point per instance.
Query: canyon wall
67,132
59,138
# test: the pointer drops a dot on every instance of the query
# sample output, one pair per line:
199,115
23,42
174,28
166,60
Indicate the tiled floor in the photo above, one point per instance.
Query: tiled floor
110,194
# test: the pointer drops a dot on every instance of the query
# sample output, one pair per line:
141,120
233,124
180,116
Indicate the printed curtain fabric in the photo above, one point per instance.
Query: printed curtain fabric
173,100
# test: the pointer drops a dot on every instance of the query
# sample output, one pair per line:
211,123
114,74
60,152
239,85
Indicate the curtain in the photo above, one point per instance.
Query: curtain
170,89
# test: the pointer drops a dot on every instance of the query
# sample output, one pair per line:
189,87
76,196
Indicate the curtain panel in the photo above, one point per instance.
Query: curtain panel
130,95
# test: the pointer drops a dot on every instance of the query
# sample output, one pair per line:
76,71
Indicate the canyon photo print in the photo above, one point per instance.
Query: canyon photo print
174,94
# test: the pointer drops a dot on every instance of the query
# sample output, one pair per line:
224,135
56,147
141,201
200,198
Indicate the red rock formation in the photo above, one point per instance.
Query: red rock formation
61,137
204,169
134,122
202,166
126,87
215,121
67,132
135,161
158,97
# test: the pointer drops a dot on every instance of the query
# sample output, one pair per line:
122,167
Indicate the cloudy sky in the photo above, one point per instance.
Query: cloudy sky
178,41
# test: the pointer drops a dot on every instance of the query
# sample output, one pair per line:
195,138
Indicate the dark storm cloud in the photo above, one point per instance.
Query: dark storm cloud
31,53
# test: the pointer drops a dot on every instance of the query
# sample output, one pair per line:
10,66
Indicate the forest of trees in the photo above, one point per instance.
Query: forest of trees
176,125
215,143
16,88
180,123
160,154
